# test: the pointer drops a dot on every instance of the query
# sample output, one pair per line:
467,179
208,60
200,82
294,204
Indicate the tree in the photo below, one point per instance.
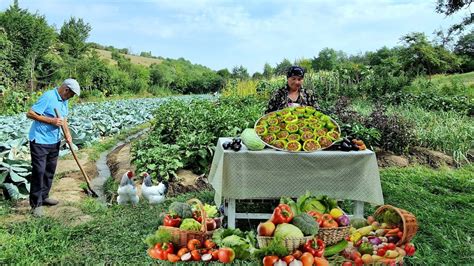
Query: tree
6,70
74,34
465,49
419,56
328,59
224,73
304,63
31,39
240,72
449,7
282,67
268,71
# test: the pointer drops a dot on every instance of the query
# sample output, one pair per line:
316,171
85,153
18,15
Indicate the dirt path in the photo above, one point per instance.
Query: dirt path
67,189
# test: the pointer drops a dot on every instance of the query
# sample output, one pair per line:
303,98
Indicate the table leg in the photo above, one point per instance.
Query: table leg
231,214
358,209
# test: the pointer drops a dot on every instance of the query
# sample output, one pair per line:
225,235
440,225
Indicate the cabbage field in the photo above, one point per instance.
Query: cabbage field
88,123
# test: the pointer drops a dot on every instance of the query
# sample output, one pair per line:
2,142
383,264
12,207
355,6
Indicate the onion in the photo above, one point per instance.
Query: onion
375,241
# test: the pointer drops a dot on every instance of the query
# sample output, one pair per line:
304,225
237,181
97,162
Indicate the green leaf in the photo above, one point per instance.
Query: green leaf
16,178
3,175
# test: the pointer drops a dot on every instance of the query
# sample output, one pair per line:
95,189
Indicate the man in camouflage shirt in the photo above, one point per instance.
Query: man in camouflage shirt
293,93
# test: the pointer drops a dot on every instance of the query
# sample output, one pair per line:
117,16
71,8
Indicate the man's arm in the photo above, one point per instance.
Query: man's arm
44,119
67,132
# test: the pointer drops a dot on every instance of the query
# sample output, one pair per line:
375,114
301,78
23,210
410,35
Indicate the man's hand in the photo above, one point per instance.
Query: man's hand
69,139
57,121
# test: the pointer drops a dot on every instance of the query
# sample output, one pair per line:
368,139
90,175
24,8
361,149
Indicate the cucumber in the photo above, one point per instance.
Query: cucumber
334,249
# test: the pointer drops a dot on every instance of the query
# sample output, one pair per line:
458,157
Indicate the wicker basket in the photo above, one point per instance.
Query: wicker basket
291,243
181,237
332,236
409,224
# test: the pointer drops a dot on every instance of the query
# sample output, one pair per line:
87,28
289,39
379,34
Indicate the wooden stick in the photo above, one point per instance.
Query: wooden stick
77,160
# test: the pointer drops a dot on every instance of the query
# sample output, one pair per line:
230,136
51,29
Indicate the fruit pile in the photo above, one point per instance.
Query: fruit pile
188,217
296,129
377,240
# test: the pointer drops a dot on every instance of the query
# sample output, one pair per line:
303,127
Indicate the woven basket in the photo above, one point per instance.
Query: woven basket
409,224
332,236
181,237
291,243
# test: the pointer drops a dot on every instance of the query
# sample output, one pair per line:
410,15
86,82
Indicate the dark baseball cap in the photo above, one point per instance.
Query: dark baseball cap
295,71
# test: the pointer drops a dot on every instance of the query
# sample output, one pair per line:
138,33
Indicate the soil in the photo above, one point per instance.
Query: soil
67,187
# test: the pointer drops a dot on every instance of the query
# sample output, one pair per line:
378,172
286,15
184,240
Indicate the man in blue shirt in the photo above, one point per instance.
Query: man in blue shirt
45,137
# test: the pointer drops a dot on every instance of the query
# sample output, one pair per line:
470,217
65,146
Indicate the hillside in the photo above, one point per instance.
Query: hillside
140,60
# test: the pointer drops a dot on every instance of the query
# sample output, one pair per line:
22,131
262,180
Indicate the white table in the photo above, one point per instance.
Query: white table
270,174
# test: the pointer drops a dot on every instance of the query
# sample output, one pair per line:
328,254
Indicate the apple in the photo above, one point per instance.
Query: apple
226,255
211,224
266,229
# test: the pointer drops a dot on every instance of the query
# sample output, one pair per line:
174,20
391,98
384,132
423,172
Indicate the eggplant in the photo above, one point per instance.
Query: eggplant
236,146
393,239
345,147
226,145
237,140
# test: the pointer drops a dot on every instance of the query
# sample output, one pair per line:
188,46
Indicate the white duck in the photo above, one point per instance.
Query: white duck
154,194
127,193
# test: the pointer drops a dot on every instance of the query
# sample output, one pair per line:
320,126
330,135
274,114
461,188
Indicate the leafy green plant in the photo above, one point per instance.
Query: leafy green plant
184,133
14,178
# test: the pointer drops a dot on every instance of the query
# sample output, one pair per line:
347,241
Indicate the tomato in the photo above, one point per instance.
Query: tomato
307,259
288,259
153,253
391,246
297,254
215,254
320,261
182,251
270,260
381,252
196,255
209,244
173,258
347,263
359,262
194,244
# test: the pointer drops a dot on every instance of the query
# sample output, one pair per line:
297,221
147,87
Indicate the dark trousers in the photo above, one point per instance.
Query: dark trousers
44,158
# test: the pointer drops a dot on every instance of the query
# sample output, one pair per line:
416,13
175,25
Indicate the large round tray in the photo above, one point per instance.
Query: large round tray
292,109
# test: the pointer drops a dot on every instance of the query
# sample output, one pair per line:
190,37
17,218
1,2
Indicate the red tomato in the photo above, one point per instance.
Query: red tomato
181,251
209,244
391,246
381,252
288,259
194,244
359,262
270,260
196,255
153,253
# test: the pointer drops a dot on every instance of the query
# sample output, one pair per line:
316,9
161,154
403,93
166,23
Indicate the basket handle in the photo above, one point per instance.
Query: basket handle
203,213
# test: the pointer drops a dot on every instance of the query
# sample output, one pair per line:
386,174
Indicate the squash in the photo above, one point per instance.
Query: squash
306,224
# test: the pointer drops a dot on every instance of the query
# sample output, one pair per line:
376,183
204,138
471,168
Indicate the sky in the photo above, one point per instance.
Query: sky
228,33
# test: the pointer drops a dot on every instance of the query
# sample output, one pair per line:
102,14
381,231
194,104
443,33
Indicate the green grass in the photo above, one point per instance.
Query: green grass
442,201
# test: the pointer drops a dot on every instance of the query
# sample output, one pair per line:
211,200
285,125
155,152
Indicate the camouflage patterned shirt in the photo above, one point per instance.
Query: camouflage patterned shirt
280,100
